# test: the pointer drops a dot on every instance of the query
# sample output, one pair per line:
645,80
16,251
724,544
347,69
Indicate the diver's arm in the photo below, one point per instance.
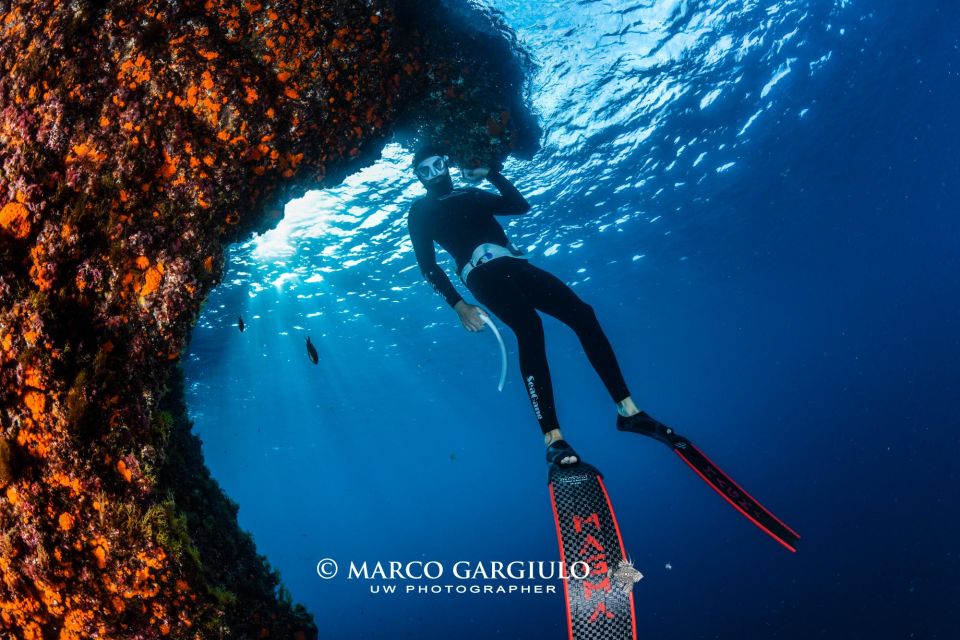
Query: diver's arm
509,202
427,259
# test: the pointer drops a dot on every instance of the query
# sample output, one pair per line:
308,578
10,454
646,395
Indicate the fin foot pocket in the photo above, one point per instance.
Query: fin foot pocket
645,425
560,453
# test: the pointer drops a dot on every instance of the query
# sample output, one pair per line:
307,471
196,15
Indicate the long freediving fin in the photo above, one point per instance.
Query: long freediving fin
600,600
715,477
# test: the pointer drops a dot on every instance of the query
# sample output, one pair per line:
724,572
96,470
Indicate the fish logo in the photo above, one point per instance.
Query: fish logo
625,576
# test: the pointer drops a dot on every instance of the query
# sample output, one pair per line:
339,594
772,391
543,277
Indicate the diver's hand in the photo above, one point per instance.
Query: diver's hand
476,174
471,316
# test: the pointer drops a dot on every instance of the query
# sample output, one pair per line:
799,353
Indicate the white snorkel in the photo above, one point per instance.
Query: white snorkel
503,350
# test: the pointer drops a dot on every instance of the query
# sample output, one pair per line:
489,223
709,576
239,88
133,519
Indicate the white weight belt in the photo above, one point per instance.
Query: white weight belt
487,252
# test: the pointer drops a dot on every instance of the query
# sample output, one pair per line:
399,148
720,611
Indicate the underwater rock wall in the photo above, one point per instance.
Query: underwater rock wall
137,140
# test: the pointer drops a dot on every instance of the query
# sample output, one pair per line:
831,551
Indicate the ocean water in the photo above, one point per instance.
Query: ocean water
760,200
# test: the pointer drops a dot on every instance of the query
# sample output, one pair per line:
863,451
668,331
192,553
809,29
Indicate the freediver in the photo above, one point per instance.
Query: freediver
461,221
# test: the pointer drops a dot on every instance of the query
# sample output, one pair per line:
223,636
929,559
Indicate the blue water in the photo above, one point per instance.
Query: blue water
760,200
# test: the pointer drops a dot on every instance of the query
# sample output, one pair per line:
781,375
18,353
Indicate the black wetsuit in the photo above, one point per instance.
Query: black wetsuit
511,288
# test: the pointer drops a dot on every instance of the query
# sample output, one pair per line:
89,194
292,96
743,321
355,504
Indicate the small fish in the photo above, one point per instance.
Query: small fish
312,351
240,323
453,457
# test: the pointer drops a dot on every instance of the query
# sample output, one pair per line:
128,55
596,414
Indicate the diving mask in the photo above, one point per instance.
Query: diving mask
432,167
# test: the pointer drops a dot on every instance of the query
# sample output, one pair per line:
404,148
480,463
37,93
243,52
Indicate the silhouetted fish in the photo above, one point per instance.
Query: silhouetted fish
240,323
312,351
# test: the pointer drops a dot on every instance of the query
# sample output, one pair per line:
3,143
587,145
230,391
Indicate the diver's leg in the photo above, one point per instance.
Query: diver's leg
552,296
497,290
